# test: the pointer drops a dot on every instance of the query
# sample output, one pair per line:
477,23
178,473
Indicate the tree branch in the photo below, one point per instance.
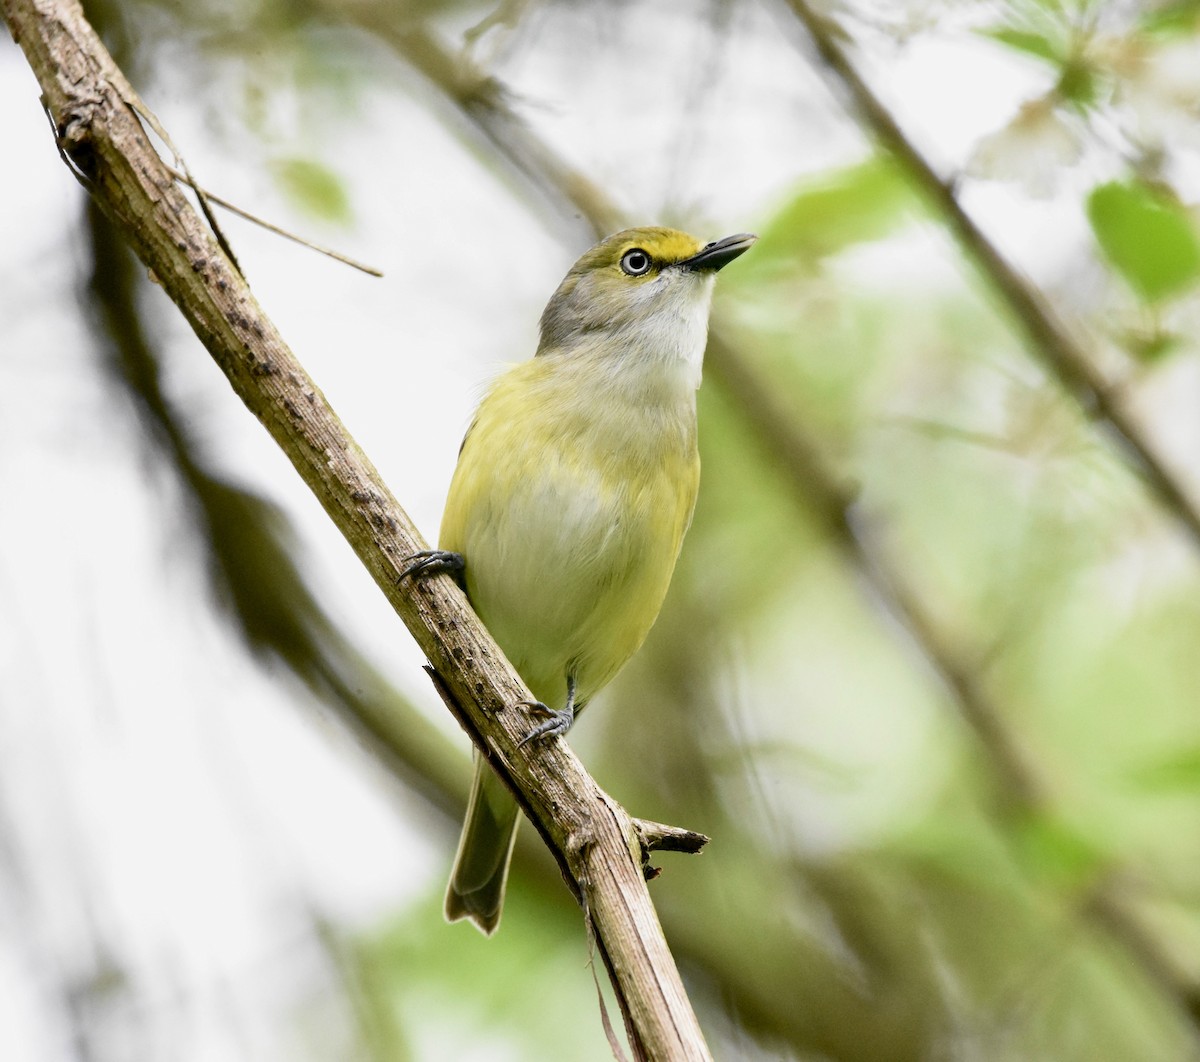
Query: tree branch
95,114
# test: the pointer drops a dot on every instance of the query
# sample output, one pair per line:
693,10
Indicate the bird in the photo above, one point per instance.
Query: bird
574,487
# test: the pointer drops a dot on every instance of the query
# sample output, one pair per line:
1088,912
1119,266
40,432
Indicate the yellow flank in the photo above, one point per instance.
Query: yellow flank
572,494
570,515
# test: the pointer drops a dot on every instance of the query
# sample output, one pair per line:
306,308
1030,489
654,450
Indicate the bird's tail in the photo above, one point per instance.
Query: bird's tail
477,882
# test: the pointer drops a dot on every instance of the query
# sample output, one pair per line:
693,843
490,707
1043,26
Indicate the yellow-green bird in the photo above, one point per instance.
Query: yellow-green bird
573,490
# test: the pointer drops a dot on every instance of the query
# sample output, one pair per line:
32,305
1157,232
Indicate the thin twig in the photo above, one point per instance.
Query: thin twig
659,837
233,208
138,106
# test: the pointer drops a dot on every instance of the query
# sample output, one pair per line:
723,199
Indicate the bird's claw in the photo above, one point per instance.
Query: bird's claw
433,561
556,721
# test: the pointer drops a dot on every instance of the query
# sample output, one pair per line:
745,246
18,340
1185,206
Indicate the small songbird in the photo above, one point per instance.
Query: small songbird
574,487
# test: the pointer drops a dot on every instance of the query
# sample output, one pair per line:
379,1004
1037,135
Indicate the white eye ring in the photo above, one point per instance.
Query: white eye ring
636,263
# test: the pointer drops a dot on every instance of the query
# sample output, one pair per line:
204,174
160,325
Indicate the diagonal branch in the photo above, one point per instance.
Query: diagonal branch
1046,335
93,110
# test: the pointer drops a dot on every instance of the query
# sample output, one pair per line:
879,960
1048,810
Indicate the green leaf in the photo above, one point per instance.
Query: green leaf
1078,82
1057,852
468,993
1028,42
836,210
1152,346
1177,773
1147,236
1173,20
313,188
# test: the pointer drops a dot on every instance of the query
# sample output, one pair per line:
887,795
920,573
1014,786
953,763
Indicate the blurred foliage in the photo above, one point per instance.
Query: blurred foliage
874,890
314,189
831,212
524,999
1148,236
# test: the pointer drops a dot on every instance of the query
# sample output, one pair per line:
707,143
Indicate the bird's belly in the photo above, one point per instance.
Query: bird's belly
569,572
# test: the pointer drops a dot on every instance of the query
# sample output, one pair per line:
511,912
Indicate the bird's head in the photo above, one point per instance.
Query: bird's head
642,292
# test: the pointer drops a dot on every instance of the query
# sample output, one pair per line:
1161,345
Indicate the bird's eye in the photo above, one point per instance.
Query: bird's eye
636,263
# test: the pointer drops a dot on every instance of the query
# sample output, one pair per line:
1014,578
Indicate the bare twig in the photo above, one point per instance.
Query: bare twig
233,208
658,837
138,106
1047,337
593,839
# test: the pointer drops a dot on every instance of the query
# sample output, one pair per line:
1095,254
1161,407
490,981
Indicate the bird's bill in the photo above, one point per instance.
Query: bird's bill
713,256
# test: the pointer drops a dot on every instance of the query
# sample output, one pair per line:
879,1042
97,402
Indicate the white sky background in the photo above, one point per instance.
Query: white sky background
159,794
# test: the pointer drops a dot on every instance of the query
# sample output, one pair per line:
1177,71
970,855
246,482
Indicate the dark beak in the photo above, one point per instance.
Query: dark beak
713,256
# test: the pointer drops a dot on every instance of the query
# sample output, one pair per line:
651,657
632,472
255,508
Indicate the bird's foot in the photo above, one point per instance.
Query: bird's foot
557,721
433,561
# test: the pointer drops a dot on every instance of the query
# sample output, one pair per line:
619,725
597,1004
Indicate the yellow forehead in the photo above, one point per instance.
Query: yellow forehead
663,245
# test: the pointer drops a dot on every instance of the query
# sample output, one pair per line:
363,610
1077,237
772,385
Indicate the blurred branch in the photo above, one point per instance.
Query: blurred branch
484,102
94,110
250,553
1106,908
834,502
1021,789
1047,337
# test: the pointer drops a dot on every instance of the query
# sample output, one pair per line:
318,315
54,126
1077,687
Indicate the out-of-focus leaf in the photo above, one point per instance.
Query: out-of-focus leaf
1153,346
1077,79
1147,236
834,211
1078,82
1172,20
450,986
1057,853
313,188
1178,772
1028,41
